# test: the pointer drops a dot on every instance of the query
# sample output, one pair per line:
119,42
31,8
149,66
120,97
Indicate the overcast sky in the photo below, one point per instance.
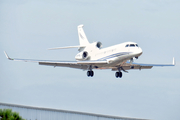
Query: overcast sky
29,27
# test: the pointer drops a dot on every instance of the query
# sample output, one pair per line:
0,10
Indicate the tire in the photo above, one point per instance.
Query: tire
88,73
92,73
120,74
117,74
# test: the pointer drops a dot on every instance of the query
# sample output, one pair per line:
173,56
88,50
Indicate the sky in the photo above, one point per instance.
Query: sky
29,27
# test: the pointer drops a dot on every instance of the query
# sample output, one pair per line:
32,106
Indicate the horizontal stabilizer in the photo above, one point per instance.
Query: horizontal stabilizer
65,47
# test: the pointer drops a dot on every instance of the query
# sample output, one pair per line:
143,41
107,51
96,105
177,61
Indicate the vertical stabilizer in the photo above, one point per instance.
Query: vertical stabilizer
83,41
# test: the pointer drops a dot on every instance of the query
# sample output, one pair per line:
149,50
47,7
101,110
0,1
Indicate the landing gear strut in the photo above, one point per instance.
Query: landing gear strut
90,73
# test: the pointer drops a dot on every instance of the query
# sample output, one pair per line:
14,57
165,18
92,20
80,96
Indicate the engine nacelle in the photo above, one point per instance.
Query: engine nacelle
99,45
82,56
90,48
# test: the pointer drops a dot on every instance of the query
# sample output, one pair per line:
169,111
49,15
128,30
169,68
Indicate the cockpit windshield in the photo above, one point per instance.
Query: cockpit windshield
131,45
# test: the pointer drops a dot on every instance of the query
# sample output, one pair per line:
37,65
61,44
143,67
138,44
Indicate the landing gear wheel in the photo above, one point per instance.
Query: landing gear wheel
117,74
120,74
90,73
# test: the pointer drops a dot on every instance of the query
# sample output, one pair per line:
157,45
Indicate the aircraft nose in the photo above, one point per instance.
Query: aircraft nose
139,51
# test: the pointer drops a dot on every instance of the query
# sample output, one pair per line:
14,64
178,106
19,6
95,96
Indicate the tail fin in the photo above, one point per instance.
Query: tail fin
83,41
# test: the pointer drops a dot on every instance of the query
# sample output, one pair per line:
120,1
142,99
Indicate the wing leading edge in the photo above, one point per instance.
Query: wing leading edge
158,65
128,65
72,64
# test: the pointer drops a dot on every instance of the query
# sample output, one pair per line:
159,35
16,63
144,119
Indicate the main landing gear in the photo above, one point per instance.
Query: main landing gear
118,74
90,73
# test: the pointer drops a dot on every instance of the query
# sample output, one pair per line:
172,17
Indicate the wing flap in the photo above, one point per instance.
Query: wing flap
135,67
94,62
84,67
73,64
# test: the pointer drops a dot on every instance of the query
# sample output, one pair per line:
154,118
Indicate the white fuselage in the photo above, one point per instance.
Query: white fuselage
114,55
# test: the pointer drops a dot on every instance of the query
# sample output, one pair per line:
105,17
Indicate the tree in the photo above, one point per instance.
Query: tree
7,114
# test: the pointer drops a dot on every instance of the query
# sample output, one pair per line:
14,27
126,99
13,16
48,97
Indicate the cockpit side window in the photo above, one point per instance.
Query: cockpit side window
132,45
127,45
137,45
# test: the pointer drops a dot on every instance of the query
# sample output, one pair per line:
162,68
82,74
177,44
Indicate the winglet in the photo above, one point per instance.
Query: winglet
174,61
7,56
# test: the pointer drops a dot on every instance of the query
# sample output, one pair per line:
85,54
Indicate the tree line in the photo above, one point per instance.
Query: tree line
8,114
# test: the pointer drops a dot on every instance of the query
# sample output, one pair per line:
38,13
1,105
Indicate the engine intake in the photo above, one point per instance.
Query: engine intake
99,45
85,54
82,55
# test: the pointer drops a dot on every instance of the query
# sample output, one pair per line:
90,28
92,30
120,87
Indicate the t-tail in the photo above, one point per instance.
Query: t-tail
83,41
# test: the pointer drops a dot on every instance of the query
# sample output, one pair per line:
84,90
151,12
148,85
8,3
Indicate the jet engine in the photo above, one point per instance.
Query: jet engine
85,55
82,55
99,45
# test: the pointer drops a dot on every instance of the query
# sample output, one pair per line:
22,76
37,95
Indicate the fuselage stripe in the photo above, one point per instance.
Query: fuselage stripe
114,55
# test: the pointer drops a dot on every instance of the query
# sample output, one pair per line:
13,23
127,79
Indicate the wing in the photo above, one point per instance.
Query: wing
72,64
127,66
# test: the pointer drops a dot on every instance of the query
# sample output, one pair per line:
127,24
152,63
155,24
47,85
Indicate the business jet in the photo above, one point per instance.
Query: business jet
92,56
